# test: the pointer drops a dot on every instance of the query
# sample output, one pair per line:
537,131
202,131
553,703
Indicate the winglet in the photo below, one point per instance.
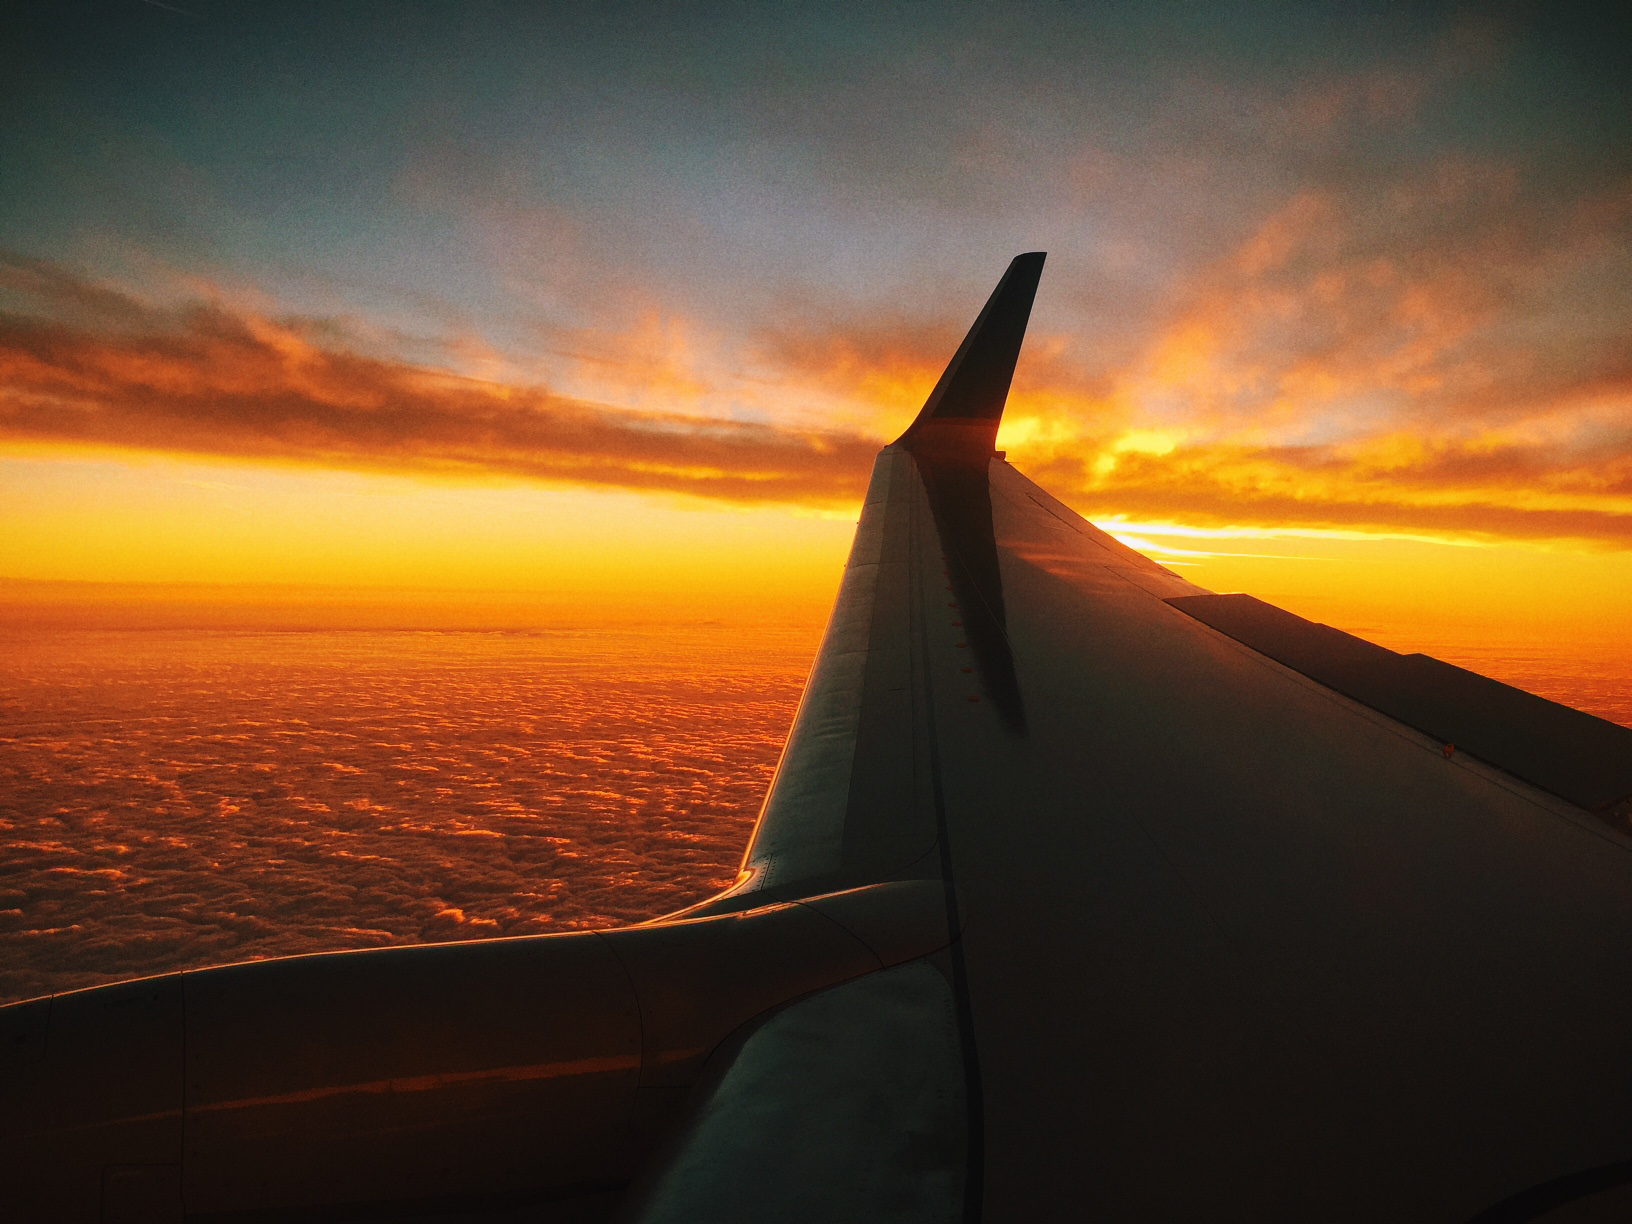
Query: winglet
962,413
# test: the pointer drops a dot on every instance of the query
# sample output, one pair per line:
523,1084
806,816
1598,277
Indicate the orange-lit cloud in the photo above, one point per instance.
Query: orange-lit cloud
1320,488
111,371
370,790
1433,351
1432,356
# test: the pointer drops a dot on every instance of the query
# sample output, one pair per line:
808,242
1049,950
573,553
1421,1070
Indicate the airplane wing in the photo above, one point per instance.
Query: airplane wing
1258,920
1080,892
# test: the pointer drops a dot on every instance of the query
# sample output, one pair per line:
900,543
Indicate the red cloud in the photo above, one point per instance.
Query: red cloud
1350,364
208,380
1441,352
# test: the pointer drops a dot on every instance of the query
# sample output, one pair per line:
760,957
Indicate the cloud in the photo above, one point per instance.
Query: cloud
1490,495
198,804
100,368
1440,349
1436,348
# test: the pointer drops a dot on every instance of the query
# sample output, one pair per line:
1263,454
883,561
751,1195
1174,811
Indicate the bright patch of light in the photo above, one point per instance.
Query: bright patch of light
1118,524
1164,551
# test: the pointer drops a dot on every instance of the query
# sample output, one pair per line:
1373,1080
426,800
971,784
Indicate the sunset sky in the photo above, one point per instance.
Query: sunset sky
610,305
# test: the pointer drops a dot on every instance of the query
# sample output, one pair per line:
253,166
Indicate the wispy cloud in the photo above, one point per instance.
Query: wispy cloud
1442,350
104,369
1439,349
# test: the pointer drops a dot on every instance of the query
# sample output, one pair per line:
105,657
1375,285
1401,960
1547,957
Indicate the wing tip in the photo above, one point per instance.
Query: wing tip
967,403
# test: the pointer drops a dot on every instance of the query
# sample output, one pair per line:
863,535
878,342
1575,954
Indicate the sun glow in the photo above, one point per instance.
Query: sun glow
519,550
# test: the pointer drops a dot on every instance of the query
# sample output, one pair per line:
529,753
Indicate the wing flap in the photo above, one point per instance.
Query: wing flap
1563,751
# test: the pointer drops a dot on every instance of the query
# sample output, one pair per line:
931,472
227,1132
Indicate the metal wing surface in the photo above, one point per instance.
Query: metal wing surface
1244,933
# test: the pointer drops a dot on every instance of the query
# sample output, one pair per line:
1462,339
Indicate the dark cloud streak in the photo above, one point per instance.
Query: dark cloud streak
206,379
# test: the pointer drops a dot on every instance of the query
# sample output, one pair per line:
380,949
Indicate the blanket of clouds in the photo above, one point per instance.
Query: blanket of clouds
1309,265
176,798
171,798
